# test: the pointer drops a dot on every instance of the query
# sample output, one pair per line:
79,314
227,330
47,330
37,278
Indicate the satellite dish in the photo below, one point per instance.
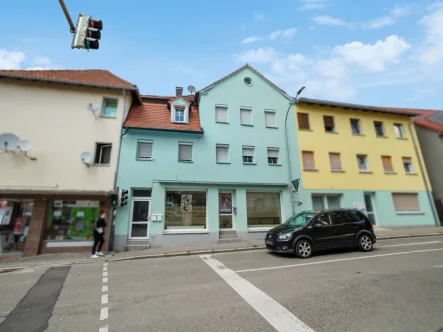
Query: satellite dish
93,107
191,89
9,142
86,157
24,146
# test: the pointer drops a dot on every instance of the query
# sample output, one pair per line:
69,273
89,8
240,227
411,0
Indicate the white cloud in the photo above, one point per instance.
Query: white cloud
286,34
11,60
250,40
394,15
432,53
334,68
260,55
41,60
328,20
274,35
312,4
380,22
259,17
373,56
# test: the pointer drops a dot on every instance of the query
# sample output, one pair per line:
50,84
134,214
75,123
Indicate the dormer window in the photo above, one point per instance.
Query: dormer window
179,114
180,111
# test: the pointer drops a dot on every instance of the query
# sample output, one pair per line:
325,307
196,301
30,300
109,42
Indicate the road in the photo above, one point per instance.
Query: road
397,287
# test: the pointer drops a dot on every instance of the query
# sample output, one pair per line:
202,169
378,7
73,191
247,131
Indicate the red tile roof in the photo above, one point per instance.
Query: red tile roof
95,77
422,119
154,113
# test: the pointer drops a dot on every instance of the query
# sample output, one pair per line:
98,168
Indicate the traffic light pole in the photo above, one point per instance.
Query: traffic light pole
68,17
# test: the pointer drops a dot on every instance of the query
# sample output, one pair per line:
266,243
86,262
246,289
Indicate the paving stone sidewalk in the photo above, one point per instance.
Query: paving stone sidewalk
83,258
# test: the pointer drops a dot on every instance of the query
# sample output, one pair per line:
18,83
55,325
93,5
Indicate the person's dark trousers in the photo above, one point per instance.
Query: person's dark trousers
98,239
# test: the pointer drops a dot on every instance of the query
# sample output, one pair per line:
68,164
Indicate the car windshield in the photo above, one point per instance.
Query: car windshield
300,220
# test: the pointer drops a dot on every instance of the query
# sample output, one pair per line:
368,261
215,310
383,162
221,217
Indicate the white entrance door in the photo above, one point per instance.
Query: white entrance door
225,209
370,208
140,214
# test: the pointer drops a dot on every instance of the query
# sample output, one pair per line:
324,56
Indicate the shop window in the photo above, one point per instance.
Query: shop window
263,209
72,220
185,210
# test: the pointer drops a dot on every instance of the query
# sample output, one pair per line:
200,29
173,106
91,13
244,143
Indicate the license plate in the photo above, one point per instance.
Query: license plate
270,242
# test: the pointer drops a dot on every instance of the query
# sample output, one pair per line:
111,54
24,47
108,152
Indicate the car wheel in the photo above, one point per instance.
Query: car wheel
303,249
365,242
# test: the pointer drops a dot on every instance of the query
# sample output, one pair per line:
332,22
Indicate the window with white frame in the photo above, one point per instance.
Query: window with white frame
379,129
362,161
323,202
109,109
248,154
179,114
144,150
399,132
246,116
184,151
221,114
222,153
273,156
407,164
270,119
103,153
355,127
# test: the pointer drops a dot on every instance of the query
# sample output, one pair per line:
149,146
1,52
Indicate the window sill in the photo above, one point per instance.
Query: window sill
410,213
274,164
145,159
221,122
362,135
338,170
331,132
271,127
185,161
250,164
101,165
185,231
310,170
391,173
223,163
260,229
108,117
382,136
247,125
402,138
366,172
305,129
179,123
411,173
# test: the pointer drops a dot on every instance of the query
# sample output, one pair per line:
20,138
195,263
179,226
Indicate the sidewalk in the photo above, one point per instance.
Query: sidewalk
83,258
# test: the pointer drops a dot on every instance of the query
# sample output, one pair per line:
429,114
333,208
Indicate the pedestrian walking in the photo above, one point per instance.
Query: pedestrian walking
99,236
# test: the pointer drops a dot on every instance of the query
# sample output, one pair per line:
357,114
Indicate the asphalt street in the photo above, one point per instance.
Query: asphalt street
396,287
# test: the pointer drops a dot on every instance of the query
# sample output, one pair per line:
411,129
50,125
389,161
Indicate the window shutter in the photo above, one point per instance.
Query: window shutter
405,202
172,113
248,152
335,160
222,154
186,114
221,114
329,121
144,150
308,160
245,116
272,153
270,119
185,152
387,163
303,121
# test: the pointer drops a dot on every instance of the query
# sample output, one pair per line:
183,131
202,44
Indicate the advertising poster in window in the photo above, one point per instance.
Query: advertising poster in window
225,203
186,203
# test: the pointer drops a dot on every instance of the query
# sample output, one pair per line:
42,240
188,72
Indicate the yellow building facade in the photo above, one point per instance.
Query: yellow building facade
355,156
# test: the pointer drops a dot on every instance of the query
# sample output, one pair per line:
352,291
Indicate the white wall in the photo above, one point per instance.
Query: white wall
59,125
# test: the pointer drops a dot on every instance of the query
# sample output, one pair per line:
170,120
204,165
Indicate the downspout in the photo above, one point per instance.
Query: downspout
422,170
291,104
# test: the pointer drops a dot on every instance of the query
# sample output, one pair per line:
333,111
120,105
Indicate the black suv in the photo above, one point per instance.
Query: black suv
311,231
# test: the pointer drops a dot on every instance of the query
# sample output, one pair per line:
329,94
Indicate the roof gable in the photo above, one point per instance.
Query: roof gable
178,101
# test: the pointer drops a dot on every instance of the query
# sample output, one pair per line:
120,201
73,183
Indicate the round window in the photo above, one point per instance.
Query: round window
248,80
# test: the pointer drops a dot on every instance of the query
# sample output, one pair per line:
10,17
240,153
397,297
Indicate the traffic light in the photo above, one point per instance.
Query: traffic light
87,33
123,197
114,200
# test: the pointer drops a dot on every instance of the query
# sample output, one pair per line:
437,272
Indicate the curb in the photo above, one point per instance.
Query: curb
390,237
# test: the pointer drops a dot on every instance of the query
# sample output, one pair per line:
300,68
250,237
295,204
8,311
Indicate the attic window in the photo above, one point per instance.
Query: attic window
248,80
179,114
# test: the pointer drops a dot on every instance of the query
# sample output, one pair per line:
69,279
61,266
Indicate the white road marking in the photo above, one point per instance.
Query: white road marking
105,280
105,264
105,269
104,313
338,260
274,313
439,266
408,244
105,299
103,329
105,274
104,288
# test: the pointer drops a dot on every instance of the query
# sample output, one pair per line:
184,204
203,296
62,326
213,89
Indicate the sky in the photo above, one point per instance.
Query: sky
378,52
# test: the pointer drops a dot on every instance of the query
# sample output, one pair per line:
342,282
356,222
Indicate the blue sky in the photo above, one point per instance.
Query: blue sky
378,52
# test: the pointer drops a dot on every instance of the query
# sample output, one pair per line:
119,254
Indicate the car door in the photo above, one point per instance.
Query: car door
323,232
345,227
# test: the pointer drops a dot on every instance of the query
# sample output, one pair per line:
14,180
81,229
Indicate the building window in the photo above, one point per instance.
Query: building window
335,160
246,116
329,124
323,202
273,156
248,154
103,153
144,150
109,108
185,209
355,127
179,115
303,121
270,119
379,130
185,152
362,161
222,153
407,164
387,164
308,160
72,220
263,209
221,114
406,202
399,132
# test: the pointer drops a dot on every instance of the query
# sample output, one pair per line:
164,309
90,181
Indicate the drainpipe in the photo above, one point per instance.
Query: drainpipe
291,104
422,170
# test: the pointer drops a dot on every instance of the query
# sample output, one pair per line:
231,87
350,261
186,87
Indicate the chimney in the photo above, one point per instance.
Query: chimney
178,91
